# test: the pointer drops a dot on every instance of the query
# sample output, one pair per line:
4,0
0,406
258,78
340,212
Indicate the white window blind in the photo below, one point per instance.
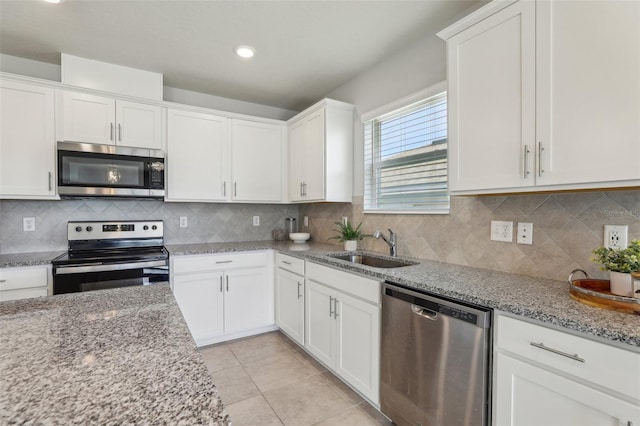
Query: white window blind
406,159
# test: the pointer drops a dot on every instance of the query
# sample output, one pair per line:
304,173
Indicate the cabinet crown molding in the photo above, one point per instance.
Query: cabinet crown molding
474,17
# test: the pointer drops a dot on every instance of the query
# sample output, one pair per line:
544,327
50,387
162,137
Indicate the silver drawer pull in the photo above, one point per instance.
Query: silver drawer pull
3,281
224,261
574,357
286,263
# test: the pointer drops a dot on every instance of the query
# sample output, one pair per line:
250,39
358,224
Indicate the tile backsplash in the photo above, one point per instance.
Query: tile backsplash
207,222
566,228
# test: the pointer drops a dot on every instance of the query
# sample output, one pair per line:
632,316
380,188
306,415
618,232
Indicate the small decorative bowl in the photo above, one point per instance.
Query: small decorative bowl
299,237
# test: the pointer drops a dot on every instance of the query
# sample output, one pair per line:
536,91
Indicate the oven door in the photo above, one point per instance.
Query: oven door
88,277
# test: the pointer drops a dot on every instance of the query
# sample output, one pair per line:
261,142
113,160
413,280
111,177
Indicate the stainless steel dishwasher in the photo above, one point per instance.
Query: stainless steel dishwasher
435,361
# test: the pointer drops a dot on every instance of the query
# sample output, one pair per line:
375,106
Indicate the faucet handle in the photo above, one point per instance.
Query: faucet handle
392,235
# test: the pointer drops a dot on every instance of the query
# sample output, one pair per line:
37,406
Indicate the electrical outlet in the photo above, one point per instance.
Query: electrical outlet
525,233
305,221
344,220
615,236
183,222
28,224
256,221
501,231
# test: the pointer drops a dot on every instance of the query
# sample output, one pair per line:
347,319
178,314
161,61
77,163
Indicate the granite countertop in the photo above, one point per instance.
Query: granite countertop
28,259
533,298
109,357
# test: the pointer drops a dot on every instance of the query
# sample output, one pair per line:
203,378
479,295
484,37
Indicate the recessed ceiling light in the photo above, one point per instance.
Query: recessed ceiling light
245,51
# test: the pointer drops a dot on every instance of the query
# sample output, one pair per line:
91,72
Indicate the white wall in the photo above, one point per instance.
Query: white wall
414,68
37,69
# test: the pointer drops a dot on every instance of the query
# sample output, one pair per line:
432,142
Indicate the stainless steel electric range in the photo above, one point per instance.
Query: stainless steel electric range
105,255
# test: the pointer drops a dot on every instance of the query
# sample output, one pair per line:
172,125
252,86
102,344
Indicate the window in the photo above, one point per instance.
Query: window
406,159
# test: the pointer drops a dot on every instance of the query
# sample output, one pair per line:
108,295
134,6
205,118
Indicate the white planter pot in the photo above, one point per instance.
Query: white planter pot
621,283
351,245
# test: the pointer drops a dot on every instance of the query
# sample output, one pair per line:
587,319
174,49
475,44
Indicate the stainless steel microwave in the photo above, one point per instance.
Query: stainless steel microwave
94,170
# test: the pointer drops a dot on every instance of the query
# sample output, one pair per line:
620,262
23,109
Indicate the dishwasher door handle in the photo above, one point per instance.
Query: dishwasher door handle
425,313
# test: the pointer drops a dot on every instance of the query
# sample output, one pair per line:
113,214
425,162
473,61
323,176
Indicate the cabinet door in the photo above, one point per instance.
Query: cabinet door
320,324
139,125
246,300
290,304
27,141
256,161
314,156
588,77
88,118
491,100
197,157
529,395
358,344
200,298
297,160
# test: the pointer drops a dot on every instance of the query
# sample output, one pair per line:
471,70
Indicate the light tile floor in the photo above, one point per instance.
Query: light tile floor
269,380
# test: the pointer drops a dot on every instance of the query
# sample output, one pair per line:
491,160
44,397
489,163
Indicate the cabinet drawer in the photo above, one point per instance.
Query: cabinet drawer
21,278
290,263
25,293
605,365
356,285
216,262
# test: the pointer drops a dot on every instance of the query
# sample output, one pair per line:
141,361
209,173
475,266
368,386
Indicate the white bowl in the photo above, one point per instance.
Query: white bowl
299,237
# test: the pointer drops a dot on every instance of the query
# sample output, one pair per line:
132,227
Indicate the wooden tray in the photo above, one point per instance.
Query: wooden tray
596,293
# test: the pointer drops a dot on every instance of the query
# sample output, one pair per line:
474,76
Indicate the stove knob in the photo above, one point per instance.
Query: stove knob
154,227
78,228
146,227
89,228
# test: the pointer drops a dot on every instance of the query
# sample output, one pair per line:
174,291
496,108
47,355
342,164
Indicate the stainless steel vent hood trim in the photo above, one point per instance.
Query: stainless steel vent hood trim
109,149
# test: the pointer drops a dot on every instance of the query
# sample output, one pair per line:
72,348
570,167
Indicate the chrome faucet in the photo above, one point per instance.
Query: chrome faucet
392,241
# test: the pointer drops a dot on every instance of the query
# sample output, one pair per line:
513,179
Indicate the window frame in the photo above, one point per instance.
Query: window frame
371,177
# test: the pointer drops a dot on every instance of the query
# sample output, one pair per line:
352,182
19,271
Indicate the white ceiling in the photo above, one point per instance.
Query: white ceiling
305,49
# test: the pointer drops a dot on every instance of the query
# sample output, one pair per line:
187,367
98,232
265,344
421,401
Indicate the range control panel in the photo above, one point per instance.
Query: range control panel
96,230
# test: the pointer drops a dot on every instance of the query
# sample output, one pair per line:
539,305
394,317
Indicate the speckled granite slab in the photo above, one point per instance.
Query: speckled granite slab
28,259
536,299
109,357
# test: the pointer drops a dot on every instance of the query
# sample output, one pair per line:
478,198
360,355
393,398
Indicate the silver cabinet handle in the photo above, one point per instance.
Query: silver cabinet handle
224,261
220,283
235,189
540,149
301,189
224,189
541,345
304,189
227,283
299,286
526,161
3,281
111,134
120,132
50,181
330,306
286,262
335,308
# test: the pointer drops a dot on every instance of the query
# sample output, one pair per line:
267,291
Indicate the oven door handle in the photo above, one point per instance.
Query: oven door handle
109,267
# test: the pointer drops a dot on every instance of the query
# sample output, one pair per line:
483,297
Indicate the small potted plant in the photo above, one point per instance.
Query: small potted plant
348,234
620,263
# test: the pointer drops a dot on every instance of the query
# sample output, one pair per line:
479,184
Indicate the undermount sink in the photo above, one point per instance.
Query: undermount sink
374,261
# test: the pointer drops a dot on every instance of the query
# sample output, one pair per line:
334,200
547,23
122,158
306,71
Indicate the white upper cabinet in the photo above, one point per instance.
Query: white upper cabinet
27,141
97,119
544,95
197,157
257,151
321,152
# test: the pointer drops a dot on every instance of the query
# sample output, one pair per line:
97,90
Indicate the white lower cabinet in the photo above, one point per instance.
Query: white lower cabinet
343,326
548,377
24,282
290,296
224,296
